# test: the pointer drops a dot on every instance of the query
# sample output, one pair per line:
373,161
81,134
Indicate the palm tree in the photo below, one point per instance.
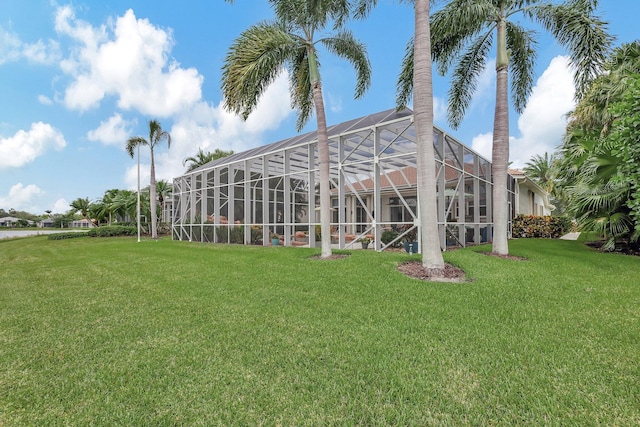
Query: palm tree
464,31
81,205
417,81
258,56
156,136
202,158
106,205
593,112
124,204
540,170
598,164
163,190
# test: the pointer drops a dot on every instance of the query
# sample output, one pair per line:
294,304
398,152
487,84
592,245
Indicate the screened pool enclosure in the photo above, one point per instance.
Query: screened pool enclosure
272,191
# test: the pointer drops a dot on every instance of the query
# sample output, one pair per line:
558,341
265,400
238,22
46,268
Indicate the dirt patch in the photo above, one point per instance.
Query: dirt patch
416,270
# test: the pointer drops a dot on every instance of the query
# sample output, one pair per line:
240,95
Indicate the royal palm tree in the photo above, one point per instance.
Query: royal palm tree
156,136
464,31
418,82
259,55
204,157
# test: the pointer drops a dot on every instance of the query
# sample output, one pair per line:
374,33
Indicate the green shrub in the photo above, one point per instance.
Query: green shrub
236,235
389,236
221,235
113,231
539,226
69,235
256,235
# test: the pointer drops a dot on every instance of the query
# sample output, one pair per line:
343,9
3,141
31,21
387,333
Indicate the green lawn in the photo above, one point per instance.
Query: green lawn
114,332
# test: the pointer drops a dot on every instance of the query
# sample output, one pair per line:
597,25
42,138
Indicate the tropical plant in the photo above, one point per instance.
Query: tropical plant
599,163
464,31
124,205
163,189
204,157
81,205
156,136
258,56
540,170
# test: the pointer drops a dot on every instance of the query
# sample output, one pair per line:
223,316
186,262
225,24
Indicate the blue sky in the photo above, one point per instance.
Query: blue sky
78,79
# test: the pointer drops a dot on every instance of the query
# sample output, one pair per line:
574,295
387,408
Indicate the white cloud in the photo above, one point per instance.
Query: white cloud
335,103
114,131
26,146
487,80
60,206
543,122
439,109
209,127
482,144
128,59
14,49
42,53
9,47
44,100
21,197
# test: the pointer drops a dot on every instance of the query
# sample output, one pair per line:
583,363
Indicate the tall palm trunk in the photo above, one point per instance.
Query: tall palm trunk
152,199
500,150
423,121
323,155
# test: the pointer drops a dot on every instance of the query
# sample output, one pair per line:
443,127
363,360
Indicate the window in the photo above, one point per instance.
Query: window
361,217
399,212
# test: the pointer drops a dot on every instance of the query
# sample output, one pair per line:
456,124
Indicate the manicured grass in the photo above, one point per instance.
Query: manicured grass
114,332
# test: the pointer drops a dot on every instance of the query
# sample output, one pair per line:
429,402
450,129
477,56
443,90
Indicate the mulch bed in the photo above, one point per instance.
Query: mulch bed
416,270
621,248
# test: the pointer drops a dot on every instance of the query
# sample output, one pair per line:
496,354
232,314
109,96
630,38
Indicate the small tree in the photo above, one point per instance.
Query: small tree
156,136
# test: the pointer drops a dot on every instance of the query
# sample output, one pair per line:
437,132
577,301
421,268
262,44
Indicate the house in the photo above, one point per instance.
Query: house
81,223
9,221
373,178
46,223
530,198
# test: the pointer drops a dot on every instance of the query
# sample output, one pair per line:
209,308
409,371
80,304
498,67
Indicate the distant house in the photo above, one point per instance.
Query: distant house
45,223
81,223
531,199
9,221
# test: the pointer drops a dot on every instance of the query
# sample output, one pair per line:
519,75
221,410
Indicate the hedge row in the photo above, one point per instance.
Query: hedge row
113,230
540,226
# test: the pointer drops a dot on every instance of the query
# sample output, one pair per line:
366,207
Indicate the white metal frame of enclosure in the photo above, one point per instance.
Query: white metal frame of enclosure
272,190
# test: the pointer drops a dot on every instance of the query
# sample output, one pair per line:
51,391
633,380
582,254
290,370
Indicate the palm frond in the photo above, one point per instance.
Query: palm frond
346,46
300,89
404,85
133,143
465,77
575,26
254,61
455,25
521,45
